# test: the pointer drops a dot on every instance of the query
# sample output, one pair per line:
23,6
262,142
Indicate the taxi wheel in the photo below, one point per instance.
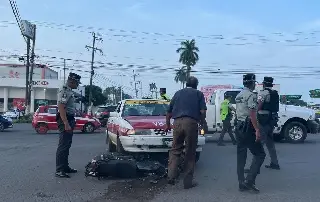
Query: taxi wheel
42,128
88,128
1,127
119,146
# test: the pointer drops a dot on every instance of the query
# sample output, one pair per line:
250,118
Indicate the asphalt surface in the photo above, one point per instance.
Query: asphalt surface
28,165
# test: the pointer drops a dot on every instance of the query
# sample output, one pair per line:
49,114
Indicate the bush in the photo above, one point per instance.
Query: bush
24,119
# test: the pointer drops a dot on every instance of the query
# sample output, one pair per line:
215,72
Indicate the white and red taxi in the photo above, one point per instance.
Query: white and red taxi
138,126
44,119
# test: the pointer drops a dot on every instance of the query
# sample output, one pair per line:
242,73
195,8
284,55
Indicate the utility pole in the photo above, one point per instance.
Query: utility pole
140,82
64,71
156,92
27,76
94,49
32,67
121,86
135,83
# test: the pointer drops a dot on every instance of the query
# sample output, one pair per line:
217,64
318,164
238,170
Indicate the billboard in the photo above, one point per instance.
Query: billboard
28,29
18,71
209,90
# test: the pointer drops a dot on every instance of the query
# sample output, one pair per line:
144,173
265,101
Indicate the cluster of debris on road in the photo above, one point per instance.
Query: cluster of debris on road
149,176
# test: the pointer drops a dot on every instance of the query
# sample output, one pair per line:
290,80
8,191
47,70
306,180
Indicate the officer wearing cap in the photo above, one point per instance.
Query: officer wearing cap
267,120
66,122
248,134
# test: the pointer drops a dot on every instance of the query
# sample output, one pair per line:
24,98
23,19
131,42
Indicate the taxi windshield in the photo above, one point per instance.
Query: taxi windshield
145,108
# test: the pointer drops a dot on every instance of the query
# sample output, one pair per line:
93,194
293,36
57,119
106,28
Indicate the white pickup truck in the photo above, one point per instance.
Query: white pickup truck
294,122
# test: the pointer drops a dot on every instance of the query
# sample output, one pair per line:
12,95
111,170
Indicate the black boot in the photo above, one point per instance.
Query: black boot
243,187
273,166
251,186
62,174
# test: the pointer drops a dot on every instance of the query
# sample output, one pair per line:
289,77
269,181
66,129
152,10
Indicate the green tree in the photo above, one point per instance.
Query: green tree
113,94
97,96
188,54
181,76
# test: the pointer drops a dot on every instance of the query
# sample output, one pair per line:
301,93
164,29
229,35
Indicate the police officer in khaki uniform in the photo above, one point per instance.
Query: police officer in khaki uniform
248,134
66,122
267,122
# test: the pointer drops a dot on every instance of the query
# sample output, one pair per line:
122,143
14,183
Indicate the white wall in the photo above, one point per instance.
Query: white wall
16,93
39,83
50,74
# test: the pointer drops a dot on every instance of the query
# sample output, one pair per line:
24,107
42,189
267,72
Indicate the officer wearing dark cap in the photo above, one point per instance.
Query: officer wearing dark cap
248,134
66,122
267,118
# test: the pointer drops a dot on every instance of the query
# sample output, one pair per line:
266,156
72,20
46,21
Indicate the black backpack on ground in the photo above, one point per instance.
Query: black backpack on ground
112,165
123,166
273,105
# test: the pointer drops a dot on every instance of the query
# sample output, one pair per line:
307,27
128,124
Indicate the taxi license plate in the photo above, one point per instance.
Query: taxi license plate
167,141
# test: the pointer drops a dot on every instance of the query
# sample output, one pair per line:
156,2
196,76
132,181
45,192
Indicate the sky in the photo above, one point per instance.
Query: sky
271,38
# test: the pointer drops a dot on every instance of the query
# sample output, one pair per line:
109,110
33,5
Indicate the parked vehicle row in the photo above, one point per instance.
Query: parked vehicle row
103,113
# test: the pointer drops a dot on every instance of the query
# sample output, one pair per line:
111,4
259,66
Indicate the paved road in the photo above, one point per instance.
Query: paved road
28,166
28,162
297,181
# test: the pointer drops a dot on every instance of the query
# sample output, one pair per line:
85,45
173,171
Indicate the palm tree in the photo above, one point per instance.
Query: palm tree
181,76
188,54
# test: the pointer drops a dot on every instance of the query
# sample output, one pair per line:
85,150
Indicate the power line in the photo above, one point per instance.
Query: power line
296,71
16,14
242,38
280,70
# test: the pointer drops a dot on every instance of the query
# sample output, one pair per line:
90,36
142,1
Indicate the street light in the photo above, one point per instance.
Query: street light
45,98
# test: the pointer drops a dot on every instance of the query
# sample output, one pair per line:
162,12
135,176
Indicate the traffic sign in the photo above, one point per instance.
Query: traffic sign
314,93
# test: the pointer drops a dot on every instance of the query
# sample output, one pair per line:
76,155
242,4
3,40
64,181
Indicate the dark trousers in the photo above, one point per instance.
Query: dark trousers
65,141
185,136
226,127
247,141
267,138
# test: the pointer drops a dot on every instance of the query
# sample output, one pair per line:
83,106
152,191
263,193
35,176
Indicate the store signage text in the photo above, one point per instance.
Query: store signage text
40,83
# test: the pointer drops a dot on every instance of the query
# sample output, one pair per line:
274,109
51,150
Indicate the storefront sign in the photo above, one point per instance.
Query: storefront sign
40,83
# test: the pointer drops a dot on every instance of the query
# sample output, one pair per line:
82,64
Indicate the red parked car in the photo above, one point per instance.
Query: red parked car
44,119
